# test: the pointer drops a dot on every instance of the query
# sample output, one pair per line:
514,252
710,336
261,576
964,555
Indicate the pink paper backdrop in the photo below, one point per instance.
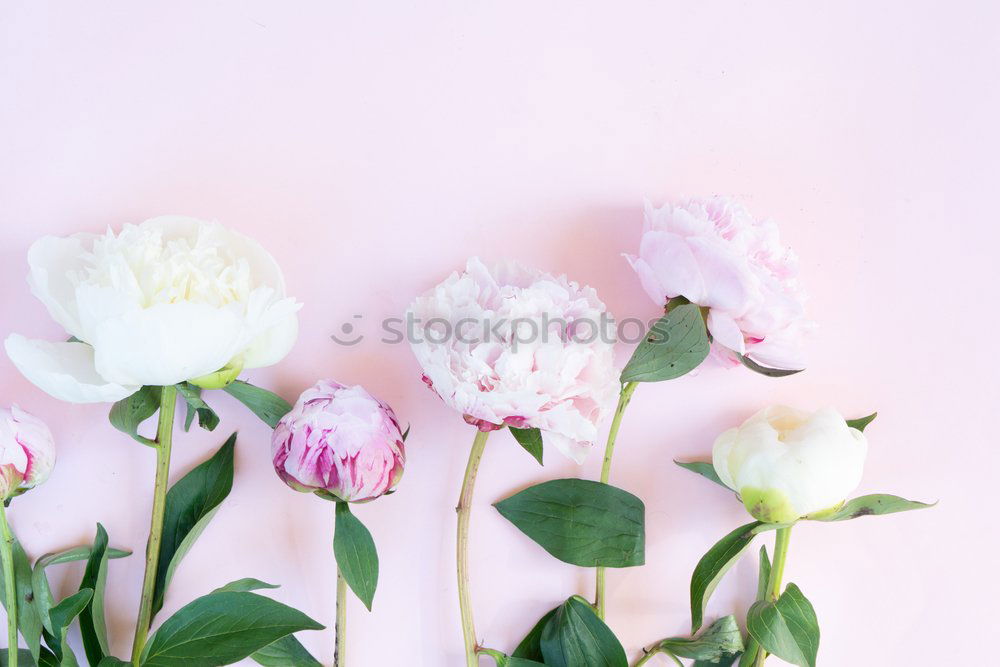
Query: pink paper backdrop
372,147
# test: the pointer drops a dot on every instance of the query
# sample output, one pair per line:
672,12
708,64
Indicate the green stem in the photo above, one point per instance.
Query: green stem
164,431
340,630
781,540
609,451
462,547
648,655
498,657
10,586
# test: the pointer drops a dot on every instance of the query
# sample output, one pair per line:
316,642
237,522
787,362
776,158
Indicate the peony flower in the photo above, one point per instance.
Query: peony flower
168,300
341,440
786,464
515,346
713,253
27,452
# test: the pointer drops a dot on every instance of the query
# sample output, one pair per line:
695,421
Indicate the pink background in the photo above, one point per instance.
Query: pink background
372,147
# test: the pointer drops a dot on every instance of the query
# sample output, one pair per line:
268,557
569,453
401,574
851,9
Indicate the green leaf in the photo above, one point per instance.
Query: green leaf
581,522
765,370
191,504
127,414
24,658
47,658
749,656
721,640
61,616
505,661
763,574
530,439
714,565
222,628
247,584
265,404
530,647
787,627
28,620
862,422
207,419
873,505
112,661
675,345
93,626
706,470
286,652
355,552
575,636
722,662
40,581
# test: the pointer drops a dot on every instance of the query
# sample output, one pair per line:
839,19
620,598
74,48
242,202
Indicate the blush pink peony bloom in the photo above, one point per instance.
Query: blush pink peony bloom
715,254
515,346
27,451
339,439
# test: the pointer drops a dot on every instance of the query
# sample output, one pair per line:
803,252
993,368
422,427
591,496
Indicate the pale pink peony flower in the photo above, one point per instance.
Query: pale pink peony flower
27,451
715,254
515,346
341,440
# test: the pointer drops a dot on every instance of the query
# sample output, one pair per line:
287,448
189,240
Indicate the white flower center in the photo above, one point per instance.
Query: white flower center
153,270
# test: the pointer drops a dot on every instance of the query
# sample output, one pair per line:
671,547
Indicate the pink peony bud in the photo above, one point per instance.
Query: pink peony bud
27,451
339,439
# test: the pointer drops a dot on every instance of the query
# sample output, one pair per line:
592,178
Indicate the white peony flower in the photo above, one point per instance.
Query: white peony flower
786,464
168,300
515,346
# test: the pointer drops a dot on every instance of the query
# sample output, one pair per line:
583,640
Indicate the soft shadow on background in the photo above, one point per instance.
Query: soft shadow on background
372,148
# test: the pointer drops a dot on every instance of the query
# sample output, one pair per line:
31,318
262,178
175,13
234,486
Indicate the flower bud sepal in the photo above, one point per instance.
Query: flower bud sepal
220,378
327,495
769,505
824,515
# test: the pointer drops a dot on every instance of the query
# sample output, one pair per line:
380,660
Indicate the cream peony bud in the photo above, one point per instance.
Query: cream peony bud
786,464
341,440
27,451
168,300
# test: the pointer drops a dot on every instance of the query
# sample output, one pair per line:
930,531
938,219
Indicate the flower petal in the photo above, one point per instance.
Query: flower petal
728,283
675,267
570,448
64,370
779,351
721,450
648,280
169,342
277,329
52,261
263,267
725,331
